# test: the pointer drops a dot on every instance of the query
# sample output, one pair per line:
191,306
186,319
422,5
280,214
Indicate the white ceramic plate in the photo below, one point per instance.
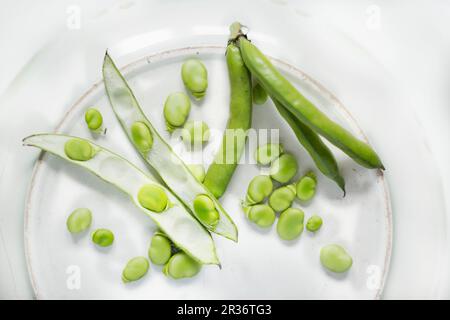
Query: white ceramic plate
260,265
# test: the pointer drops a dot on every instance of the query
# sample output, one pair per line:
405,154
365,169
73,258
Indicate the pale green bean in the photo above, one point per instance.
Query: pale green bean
314,223
79,220
206,211
135,269
79,150
290,224
260,214
141,136
195,77
94,119
176,110
267,153
284,168
153,198
103,237
335,258
160,249
259,188
282,198
180,266
306,186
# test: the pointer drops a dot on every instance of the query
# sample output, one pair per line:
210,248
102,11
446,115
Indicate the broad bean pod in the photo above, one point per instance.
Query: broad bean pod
278,87
226,160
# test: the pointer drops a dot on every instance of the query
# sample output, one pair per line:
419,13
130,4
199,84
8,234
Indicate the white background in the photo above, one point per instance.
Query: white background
410,40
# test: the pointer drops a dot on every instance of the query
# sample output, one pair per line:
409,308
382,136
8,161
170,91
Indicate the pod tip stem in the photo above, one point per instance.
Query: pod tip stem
237,30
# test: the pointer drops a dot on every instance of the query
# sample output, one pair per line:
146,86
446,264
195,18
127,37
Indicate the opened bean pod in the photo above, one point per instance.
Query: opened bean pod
183,229
169,166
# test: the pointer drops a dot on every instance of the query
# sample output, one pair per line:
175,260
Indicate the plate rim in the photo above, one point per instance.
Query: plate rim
173,53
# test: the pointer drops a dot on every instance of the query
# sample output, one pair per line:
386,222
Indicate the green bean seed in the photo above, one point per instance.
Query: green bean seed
153,198
198,171
93,118
135,269
142,136
306,186
80,150
195,133
335,258
103,237
160,249
267,153
79,220
205,210
176,110
290,224
284,168
282,198
260,214
181,266
259,188
314,223
259,94
195,77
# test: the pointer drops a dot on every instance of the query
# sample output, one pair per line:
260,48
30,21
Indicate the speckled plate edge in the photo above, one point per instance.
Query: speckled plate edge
214,50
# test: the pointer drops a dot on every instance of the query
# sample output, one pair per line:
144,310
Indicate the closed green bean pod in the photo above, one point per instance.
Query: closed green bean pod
226,160
277,86
317,149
